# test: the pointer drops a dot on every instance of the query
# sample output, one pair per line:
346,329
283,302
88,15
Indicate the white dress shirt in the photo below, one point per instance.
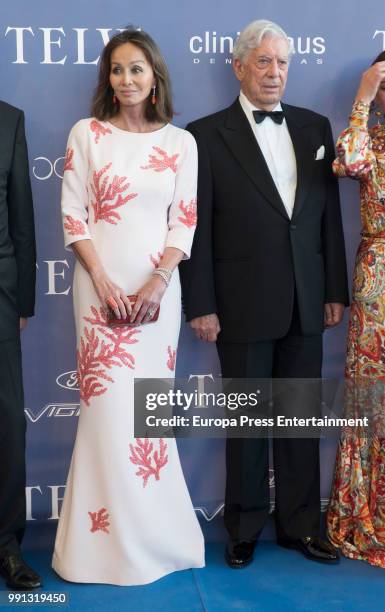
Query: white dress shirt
277,148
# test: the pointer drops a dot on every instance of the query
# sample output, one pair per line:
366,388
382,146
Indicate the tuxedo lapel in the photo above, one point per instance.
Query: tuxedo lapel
241,141
303,154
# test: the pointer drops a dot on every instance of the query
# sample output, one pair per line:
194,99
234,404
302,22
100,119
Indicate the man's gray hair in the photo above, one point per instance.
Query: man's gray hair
252,35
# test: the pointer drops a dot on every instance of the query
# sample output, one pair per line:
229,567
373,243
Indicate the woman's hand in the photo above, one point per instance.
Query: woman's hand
148,300
111,295
370,82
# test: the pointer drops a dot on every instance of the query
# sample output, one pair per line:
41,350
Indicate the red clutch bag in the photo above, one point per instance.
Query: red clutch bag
113,321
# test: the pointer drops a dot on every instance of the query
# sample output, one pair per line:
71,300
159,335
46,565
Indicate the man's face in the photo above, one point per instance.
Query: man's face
263,72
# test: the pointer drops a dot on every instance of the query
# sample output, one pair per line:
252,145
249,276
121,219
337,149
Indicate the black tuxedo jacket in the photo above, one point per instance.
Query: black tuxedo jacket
17,236
248,256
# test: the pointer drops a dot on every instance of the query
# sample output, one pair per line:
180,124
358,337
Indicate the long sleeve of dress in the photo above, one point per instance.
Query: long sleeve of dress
74,187
182,215
354,146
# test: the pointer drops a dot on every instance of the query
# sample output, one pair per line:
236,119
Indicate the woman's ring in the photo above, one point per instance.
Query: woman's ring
110,301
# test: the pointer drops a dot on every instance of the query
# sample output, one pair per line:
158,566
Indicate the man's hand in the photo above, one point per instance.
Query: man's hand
333,314
23,323
207,327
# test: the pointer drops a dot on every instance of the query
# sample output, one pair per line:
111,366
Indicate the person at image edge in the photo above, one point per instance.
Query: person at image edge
355,519
17,301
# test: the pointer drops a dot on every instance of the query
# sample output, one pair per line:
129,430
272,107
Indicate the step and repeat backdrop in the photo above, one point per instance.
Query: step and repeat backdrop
49,55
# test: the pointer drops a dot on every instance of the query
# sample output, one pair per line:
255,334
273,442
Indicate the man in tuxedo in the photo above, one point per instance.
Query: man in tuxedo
17,297
266,275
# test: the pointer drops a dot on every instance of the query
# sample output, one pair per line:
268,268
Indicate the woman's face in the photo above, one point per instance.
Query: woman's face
131,75
380,96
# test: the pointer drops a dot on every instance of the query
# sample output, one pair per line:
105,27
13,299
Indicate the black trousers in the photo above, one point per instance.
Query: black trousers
296,461
12,448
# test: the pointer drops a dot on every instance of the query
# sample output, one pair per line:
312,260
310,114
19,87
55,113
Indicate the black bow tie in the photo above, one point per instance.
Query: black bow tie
276,116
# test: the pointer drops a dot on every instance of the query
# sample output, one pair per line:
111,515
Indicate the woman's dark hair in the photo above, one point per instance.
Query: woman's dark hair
380,58
103,106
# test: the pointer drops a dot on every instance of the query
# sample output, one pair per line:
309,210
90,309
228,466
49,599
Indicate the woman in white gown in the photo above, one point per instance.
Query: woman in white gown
129,213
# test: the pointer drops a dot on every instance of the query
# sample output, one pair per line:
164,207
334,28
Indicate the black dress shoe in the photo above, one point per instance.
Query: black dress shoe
239,554
312,548
18,575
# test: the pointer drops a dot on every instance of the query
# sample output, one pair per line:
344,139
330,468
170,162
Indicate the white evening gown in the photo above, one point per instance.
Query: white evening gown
127,517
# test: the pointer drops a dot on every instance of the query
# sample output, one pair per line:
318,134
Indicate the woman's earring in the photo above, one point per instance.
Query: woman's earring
114,99
378,113
153,97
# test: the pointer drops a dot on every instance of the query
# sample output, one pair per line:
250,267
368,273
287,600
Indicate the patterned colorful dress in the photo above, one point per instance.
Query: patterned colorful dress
127,517
356,514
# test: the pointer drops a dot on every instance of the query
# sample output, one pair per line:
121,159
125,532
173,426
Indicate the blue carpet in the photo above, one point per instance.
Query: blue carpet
278,580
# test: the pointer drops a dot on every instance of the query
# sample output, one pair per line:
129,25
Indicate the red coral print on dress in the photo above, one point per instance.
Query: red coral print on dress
73,226
99,520
156,260
160,164
171,359
68,160
189,212
106,190
97,356
99,130
150,463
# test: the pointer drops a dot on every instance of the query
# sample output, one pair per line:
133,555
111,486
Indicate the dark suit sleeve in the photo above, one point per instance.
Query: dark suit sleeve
336,283
197,273
21,222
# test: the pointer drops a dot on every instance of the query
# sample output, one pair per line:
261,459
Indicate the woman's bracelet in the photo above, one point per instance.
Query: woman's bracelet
164,273
361,105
